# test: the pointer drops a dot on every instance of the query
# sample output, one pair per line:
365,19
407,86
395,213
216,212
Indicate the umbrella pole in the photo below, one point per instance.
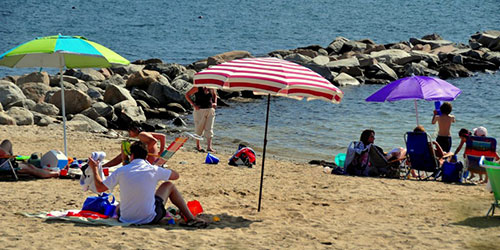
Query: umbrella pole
416,110
264,151
63,110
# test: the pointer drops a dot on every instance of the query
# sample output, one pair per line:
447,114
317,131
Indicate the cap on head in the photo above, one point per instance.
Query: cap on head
480,131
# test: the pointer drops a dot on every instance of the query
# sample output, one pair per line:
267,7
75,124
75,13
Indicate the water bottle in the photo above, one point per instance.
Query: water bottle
437,105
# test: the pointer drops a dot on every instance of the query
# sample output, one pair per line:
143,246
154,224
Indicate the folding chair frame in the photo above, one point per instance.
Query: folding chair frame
7,161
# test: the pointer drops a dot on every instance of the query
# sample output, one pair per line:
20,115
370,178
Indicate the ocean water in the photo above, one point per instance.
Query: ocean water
187,31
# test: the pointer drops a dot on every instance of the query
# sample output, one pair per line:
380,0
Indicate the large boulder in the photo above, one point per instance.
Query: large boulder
42,77
142,79
42,119
46,108
433,43
489,40
24,103
336,45
21,115
418,69
228,56
352,46
321,60
139,94
115,94
115,79
170,70
75,101
96,93
478,65
187,76
55,80
322,70
9,92
35,90
344,79
426,56
83,123
166,93
99,109
298,58
348,62
6,119
175,107
385,72
311,53
448,49
450,70
493,57
127,69
389,55
131,114
89,74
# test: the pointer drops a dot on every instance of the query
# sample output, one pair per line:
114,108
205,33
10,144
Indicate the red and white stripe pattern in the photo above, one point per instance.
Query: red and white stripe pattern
269,75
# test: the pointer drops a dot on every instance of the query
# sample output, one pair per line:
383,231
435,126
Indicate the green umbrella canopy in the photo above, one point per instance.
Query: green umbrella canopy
61,51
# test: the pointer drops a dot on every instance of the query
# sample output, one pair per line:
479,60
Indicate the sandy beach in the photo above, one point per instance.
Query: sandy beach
302,207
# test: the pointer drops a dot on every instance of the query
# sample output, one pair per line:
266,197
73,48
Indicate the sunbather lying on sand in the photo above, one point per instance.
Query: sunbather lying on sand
6,153
138,181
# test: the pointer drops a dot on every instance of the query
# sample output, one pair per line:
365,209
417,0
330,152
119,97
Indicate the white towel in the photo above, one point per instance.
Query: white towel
87,178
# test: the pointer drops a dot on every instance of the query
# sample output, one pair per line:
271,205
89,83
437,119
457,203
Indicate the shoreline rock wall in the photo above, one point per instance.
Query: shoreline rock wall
98,100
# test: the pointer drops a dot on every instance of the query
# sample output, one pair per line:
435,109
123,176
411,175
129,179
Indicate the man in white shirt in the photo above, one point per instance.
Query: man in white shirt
140,203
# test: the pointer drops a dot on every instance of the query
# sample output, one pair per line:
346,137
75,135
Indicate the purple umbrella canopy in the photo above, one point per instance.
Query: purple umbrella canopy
416,88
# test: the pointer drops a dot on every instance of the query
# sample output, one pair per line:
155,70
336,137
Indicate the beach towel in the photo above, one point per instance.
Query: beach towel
78,216
87,178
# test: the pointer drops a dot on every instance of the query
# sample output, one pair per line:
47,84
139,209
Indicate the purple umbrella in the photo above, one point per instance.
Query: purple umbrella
415,88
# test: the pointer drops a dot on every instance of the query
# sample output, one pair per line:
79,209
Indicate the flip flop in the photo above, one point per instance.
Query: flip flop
212,151
200,150
195,224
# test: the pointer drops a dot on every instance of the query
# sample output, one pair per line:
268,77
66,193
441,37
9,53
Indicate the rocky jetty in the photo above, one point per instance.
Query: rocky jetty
98,100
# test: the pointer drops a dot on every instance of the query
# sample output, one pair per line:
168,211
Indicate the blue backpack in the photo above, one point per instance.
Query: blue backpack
452,171
100,204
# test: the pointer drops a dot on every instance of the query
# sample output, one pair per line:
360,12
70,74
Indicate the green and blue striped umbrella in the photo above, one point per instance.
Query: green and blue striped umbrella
61,52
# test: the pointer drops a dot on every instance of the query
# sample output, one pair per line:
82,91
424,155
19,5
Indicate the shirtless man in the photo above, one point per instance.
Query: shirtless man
444,121
149,138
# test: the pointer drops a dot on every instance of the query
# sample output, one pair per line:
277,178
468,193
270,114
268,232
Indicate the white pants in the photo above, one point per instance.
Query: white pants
204,122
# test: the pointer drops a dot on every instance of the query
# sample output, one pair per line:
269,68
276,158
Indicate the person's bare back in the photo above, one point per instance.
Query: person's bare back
444,122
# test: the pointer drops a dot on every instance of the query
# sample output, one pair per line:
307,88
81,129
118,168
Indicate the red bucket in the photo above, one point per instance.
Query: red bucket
195,207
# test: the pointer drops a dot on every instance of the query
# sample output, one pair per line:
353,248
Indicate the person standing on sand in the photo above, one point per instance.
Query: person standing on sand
444,121
149,138
140,203
204,106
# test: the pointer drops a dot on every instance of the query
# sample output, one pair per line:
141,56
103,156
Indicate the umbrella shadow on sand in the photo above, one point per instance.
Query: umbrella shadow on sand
226,221
480,222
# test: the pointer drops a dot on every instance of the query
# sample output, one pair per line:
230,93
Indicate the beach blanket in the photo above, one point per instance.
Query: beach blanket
78,216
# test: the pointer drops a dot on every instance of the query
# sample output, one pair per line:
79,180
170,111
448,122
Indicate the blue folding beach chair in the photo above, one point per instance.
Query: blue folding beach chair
420,155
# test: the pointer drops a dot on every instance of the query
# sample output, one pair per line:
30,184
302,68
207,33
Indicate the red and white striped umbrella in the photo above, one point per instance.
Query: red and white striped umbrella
270,76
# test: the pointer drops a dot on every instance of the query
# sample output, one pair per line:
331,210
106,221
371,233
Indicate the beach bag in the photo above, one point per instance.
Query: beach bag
452,171
245,156
100,204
